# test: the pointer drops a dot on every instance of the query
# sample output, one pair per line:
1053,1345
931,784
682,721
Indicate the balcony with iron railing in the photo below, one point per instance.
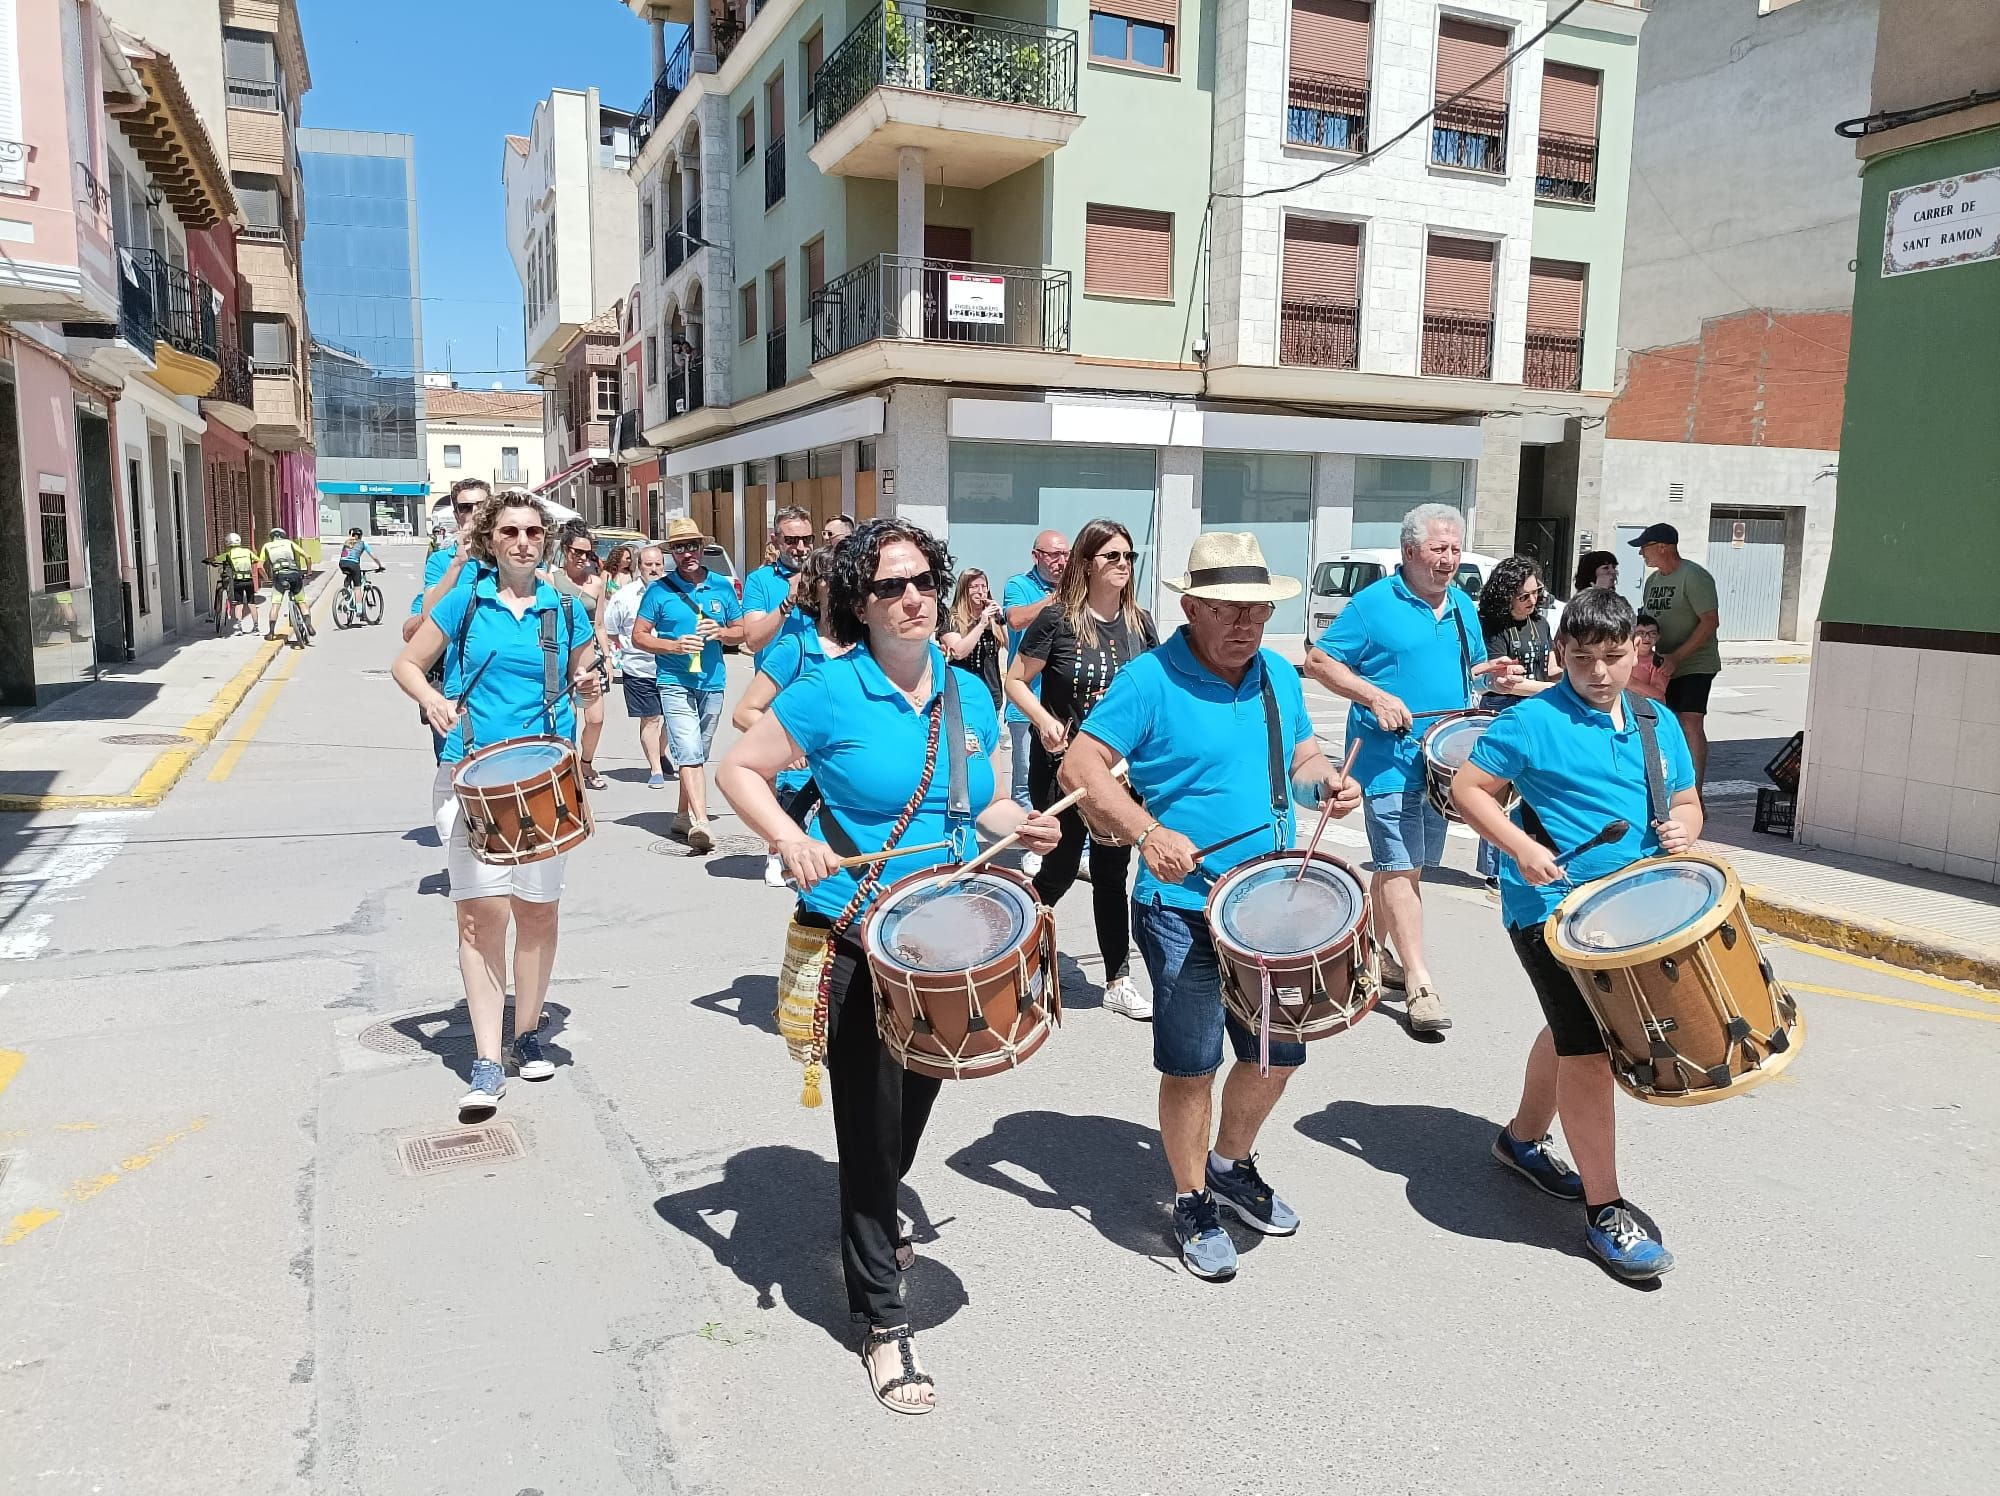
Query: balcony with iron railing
1319,334
1554,360
588,436
1566,168
993,95
666,88
183,325
233,401
1469,135
684,388
1457,346
774,173
673,251
939,301
1326,111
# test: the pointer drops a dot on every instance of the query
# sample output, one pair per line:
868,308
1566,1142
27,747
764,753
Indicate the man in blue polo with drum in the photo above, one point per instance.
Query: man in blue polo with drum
1193,721
1406,650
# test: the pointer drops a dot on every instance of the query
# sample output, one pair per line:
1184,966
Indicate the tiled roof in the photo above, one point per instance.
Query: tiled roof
605,321
492,405
519,143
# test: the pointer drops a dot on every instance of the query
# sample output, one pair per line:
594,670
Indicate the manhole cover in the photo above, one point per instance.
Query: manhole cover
725,846
434,1152
445,1033
148,739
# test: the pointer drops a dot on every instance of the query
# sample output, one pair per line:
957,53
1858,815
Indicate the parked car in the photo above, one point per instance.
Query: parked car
1335,581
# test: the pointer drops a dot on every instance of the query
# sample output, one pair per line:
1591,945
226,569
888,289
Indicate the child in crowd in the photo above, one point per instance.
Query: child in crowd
1649,671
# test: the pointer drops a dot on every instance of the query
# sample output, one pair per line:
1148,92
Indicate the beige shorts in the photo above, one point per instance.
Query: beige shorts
533,882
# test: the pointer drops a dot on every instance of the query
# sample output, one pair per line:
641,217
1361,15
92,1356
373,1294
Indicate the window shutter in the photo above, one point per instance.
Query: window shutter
774,104
777,298
1555,296
1128,251
1322,261
1464,52
1569,100
1159,12
815,53
1458,277
746,296
1331,36
815,257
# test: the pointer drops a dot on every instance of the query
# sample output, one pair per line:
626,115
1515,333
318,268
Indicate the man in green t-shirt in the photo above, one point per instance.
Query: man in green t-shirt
1681,595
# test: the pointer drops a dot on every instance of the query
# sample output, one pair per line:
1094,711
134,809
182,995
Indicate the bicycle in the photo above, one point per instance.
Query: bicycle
224,602
355,605
295,613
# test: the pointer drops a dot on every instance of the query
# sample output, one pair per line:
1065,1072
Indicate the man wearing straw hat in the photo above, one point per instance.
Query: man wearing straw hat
1193,721
1405,651
685,618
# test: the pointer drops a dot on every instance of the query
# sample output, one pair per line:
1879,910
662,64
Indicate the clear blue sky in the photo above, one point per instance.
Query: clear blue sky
459,75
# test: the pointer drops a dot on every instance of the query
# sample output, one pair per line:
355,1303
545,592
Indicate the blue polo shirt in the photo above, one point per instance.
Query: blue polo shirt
1029,587
1200,755
1393,639
865,745
507,702
764,591
669,604
1578,772
435,566
789,657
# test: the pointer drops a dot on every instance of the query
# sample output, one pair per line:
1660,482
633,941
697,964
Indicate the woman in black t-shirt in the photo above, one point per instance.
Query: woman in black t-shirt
972,634
1510,617
1072,651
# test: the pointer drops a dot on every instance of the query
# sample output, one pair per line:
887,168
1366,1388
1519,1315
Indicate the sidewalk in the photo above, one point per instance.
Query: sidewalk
1766,652
122,741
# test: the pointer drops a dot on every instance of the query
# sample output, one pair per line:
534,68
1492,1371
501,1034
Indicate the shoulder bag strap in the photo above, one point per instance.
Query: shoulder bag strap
1649,744
1464,644
1275,737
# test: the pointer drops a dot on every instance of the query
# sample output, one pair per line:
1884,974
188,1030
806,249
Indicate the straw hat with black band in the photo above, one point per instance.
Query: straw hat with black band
681,530
1227,566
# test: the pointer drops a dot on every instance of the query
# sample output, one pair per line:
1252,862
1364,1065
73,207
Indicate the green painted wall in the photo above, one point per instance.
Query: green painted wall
1917,525
1595,235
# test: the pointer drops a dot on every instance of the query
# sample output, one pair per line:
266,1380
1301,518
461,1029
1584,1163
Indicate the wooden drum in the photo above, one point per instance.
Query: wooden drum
522,800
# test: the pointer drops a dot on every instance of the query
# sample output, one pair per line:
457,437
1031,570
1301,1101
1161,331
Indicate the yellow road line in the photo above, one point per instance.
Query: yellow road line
225,765
10,1065
1892,1002
1869,963
80,1190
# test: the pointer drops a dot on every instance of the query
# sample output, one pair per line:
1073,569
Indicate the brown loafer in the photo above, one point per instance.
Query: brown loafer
1426,1010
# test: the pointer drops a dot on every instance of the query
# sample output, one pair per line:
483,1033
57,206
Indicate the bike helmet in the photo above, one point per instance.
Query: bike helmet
278,532
234,538
355,533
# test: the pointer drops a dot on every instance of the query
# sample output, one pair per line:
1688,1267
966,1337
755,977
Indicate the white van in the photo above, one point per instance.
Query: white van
1335,581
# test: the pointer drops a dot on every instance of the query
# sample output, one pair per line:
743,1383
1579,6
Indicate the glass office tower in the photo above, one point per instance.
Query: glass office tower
367,328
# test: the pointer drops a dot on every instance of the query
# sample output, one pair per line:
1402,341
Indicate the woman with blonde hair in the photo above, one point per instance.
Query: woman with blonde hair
973,634
1075,648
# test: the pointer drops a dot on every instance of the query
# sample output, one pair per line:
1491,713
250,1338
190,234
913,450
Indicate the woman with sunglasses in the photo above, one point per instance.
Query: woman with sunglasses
1511,619
618,570
864,724
1074,649
973,633
490,638
581,577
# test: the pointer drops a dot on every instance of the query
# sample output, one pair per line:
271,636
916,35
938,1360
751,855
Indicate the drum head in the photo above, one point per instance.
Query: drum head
1450,743
1267,912
1643,905
955,928
511,765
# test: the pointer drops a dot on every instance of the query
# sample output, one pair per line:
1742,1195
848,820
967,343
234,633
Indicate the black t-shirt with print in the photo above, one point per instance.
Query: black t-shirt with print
1526,641
1076,675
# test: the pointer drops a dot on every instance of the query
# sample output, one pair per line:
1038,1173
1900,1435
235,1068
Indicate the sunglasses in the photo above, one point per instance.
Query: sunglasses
683,547
582,552
795,540
463,508
888,589
1114,557
520,532
1243,612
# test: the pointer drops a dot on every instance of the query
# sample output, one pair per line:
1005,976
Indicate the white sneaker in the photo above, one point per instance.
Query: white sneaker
1031,864
701,840
1123,996
774,871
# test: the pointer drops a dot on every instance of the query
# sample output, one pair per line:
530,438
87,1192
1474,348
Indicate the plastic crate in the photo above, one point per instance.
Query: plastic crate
1783,769
1776,811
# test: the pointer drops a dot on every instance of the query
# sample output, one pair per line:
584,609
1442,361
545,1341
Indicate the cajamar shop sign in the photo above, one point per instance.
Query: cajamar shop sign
1953,221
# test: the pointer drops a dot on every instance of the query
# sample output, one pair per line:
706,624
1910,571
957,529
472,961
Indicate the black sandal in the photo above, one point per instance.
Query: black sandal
911,1377
906,1254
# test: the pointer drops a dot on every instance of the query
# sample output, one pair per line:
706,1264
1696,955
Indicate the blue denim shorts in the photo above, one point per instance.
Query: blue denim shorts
1404,831
1188,1015
691,716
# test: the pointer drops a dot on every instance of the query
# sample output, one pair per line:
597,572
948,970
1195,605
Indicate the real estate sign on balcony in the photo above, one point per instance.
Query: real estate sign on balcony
975,298
1953,221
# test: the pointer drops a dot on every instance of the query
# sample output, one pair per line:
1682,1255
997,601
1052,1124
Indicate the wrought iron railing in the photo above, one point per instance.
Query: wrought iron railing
1470,135
90,190
1322,334
774,172
942,301
135,302
1554,360
666,88
253,93
183,305
232,385
905,44
1457,347
269,233
1327,110
684,392
673,251
774,359
1566,168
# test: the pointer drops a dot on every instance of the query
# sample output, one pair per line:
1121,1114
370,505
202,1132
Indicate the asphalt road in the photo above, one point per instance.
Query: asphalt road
219,1019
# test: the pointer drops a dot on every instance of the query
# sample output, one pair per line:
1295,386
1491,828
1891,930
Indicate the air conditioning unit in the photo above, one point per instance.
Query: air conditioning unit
680,407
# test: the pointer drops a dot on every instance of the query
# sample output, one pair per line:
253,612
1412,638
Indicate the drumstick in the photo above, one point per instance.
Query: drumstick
459,705
1325,815
1611,832
1118,771
1227,841
864,858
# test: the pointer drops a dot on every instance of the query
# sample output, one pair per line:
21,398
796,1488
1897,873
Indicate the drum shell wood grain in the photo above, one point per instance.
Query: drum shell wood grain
1017,991
1314,994
493,812
1691,978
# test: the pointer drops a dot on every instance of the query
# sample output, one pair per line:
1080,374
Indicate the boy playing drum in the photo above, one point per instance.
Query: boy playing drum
1577,755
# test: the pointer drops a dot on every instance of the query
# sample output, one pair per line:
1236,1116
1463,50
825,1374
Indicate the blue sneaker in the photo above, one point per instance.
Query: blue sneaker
489,1084
1243,1190
1205,1246
531,1062
1539,1164
656,781
1621,1244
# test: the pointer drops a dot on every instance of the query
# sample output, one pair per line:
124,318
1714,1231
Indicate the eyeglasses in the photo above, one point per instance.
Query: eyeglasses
683,547
1052,555
1531,595
520,532
795,540
888,589
1242,612
1114,557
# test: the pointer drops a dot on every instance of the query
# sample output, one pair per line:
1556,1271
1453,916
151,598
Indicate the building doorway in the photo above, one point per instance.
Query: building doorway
1746,556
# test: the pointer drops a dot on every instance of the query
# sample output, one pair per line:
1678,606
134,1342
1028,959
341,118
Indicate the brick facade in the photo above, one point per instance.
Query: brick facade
1753,379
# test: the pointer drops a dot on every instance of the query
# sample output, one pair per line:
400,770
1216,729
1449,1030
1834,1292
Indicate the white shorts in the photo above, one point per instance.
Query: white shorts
532,882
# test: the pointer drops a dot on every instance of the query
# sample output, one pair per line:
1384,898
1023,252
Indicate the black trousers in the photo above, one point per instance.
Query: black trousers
1111,909
879,1113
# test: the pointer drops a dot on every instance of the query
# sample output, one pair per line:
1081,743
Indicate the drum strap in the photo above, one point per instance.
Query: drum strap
1641,709
1464,644
1274,736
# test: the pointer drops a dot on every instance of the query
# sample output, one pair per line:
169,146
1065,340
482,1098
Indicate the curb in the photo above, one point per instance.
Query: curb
165,771
1899,945
1766,659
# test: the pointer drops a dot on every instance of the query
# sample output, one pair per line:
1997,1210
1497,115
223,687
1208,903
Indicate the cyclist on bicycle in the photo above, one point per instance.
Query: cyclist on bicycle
239,565
351,556
284,563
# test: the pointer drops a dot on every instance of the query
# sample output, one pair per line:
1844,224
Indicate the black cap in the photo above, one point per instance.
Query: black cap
1658,535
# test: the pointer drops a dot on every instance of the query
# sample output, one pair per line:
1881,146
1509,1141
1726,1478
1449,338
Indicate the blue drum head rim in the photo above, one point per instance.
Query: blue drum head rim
955,928
1642,905
1264,911
512,765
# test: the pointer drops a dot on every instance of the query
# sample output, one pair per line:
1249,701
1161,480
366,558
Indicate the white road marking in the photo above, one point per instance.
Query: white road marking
53,871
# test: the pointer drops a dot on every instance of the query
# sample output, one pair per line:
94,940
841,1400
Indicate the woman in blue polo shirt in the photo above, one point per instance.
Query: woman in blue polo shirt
489,636
862,723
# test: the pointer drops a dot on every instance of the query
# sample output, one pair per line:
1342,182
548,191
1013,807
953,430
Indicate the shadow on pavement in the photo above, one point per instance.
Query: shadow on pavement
425,835
434,883
658,823
737,865
774,1245
1109,1171
447,1034
751,1001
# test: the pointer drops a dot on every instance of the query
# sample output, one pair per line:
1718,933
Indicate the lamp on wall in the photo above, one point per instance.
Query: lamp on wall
154,197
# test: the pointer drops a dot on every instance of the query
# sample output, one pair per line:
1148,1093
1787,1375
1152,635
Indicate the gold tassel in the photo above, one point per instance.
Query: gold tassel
810,1096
